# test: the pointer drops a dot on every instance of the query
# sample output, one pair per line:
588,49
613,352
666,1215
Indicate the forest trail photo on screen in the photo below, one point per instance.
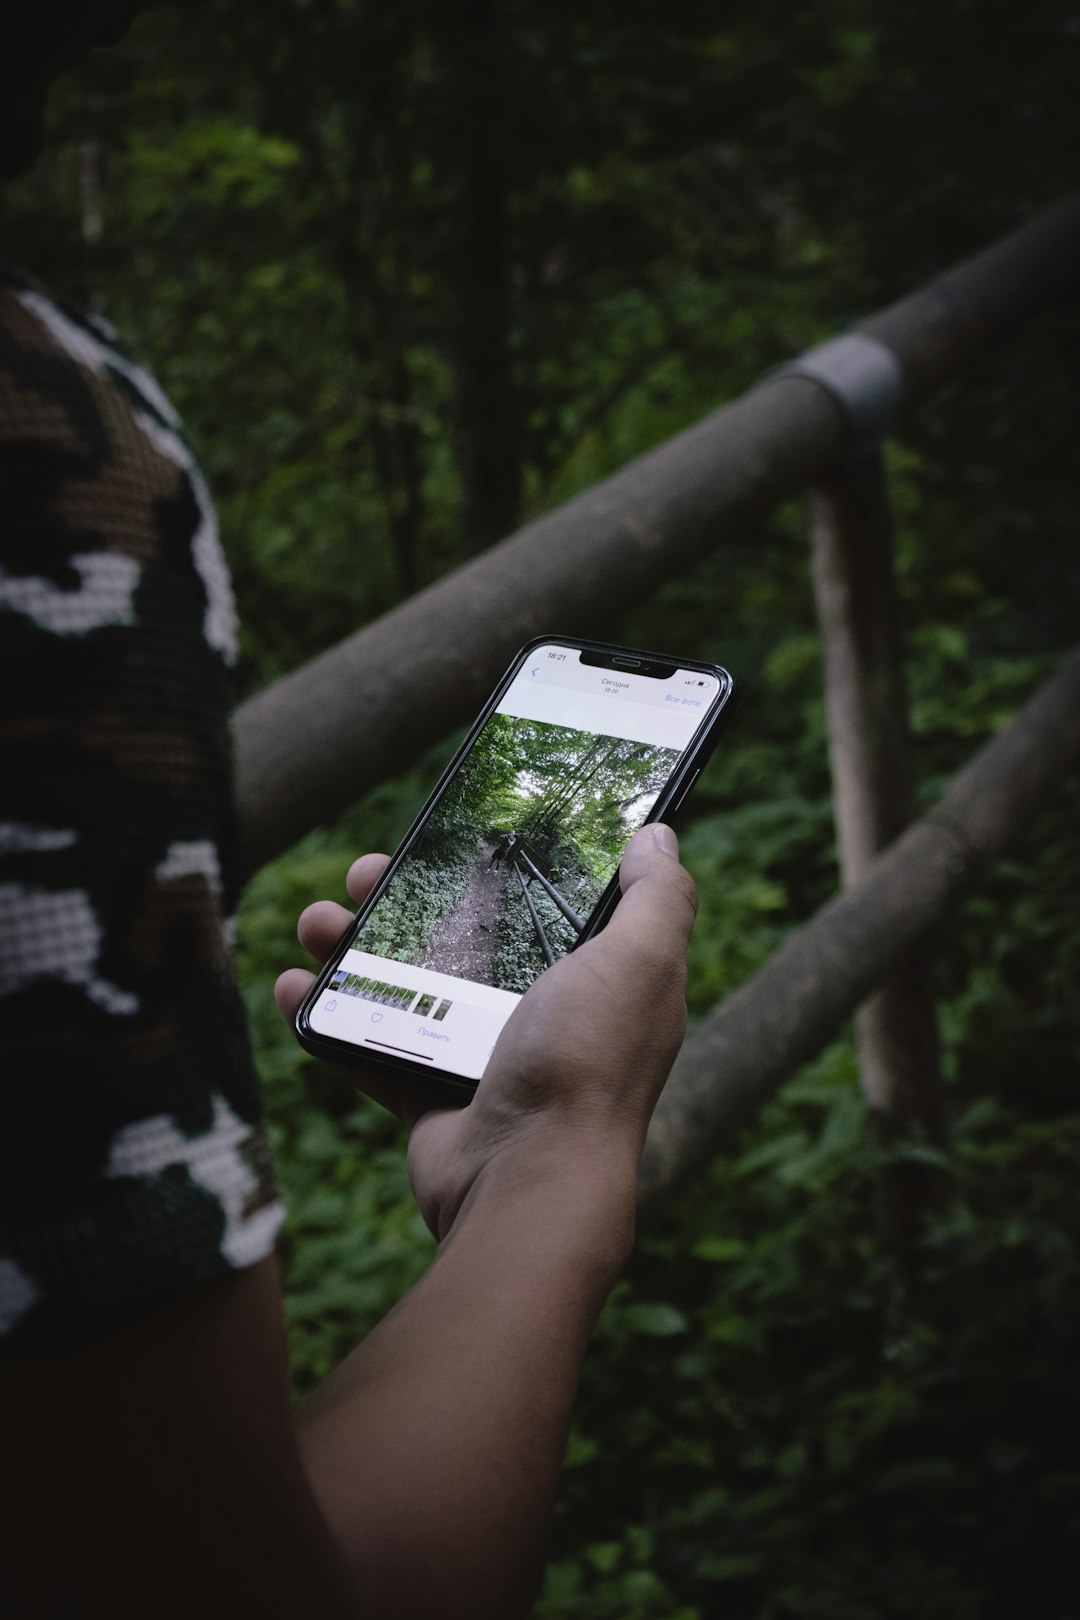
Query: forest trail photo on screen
524,842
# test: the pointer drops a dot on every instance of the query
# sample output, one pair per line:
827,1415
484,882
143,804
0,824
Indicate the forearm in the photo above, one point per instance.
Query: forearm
435,1448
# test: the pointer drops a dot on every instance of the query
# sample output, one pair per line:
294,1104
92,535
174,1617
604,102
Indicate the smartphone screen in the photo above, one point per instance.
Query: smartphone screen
502,877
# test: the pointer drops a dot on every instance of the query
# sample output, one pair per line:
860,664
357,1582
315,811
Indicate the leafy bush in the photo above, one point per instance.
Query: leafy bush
422,894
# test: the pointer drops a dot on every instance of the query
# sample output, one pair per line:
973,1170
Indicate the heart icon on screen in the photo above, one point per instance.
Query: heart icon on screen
376,1018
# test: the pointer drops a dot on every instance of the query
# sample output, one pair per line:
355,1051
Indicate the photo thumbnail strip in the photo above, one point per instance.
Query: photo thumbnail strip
375,990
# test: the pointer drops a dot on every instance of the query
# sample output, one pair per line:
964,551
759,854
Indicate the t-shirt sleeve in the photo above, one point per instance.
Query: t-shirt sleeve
132,1158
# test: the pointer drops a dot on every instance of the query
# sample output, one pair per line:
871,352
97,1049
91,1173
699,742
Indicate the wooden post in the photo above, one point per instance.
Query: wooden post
873,791
784,1014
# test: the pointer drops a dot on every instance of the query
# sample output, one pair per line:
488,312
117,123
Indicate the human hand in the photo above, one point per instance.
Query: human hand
575,1074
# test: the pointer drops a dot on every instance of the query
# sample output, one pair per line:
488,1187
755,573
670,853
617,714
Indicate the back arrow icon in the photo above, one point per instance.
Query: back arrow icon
536,671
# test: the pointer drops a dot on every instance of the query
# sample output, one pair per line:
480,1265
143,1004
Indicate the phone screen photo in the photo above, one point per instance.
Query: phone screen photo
505,870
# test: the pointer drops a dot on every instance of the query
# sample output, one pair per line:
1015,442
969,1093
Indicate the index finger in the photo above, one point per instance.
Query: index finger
363,875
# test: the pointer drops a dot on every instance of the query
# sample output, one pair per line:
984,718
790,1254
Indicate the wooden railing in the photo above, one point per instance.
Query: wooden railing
314,741
528,872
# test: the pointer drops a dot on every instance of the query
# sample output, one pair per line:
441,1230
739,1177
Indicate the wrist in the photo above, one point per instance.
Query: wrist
573,1193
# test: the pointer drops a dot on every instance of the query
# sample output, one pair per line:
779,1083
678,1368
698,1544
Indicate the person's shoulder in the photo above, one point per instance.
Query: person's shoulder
53,355
36,318
45,342
99,487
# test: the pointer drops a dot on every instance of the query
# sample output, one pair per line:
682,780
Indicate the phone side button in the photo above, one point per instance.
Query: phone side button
674,809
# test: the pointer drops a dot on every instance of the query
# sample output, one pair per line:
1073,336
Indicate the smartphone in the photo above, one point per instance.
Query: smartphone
514,859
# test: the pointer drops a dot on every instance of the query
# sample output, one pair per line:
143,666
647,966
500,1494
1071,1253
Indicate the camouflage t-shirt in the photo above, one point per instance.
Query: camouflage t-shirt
132,1160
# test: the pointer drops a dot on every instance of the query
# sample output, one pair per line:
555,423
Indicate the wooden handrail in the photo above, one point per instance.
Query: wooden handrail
314,741
557,899
534,918
787,1011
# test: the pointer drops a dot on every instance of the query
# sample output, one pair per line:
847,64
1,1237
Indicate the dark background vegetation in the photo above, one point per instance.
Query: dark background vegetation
414,271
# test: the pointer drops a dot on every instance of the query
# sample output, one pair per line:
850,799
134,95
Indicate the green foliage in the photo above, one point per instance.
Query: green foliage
777,1421
421,895
830,1433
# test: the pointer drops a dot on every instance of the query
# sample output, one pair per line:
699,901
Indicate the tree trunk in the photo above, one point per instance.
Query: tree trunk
487,407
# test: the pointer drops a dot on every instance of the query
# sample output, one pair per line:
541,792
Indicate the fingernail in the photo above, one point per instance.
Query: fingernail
665,839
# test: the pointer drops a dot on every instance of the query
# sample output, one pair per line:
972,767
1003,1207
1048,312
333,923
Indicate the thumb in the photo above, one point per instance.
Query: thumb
659,901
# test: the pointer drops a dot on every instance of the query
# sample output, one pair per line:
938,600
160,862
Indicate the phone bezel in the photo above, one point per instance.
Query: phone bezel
455,1087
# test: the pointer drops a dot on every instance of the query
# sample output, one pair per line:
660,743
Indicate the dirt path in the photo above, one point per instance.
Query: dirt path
463,943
